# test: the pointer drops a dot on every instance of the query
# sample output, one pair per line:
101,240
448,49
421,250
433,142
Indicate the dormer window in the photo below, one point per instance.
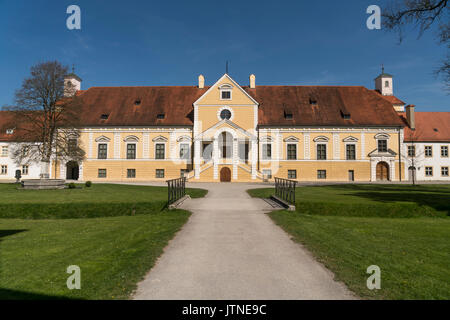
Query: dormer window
345,115
104,116
160,116
288,115
225,92
312,101
137,102
9,131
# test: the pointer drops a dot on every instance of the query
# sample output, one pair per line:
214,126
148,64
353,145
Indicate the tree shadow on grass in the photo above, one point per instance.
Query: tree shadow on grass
8,294
434,197
6,233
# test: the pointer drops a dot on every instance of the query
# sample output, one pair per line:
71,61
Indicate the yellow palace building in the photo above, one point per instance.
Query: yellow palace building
229,132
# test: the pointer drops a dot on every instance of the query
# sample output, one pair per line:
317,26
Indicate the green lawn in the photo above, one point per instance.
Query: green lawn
370,200
100,200
114,251
413,251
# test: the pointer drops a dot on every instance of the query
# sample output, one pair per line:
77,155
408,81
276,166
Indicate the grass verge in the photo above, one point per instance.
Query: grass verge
100,200
113,253
347,229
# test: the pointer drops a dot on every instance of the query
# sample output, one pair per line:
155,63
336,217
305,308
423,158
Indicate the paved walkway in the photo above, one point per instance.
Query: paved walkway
229,249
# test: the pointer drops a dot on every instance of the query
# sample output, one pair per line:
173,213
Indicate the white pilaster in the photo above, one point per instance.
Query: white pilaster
91,142
172,145
235,158
336,147
116,145
254,157
197,159
146,145
215,157
306,145
363,146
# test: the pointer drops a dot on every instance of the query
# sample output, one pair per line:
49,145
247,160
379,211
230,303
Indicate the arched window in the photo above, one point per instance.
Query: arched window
386,84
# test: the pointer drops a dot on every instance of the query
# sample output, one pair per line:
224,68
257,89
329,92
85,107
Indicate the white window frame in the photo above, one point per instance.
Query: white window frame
165,149
448,174
5,154
425,151
226,88
6,169
26,171
263,157
296,150
442,148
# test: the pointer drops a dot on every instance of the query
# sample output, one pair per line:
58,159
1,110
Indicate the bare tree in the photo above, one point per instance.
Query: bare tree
45,117
422,14
413,156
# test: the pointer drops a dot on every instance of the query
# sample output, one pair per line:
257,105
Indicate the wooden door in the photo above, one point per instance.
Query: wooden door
225,174
382,171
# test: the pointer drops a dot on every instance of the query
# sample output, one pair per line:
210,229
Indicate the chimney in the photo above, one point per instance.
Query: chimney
252,81
201,81
410,116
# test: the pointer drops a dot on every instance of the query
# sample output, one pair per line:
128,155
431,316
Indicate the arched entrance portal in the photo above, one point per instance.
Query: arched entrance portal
382,171
72,170
225,174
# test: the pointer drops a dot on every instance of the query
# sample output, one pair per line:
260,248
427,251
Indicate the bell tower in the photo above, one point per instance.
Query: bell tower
384,83
72,83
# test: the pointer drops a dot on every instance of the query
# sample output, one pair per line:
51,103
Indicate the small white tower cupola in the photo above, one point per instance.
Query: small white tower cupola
384,83
72,83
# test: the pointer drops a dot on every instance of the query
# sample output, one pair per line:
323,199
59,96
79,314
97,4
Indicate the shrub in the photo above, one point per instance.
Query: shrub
88,184
72,185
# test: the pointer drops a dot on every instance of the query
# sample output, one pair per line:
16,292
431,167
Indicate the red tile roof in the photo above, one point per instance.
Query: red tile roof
392,99
119,103
5,124
430,127
366,108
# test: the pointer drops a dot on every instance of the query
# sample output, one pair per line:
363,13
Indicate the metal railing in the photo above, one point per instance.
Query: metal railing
285,189
176,189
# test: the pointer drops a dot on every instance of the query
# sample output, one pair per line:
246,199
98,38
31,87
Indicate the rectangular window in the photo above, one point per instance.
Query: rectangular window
428,171
159,173
102,151
321,152
292,152
131,151
267,151
159,151
444,151
131,173
411,151
226,95
25,170
184,151
4,169
321,174
428,151
102,173
4,151
382,145
292,174
351,152
444,171
267,173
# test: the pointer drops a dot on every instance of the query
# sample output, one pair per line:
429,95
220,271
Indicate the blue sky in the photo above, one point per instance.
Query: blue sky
298,42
